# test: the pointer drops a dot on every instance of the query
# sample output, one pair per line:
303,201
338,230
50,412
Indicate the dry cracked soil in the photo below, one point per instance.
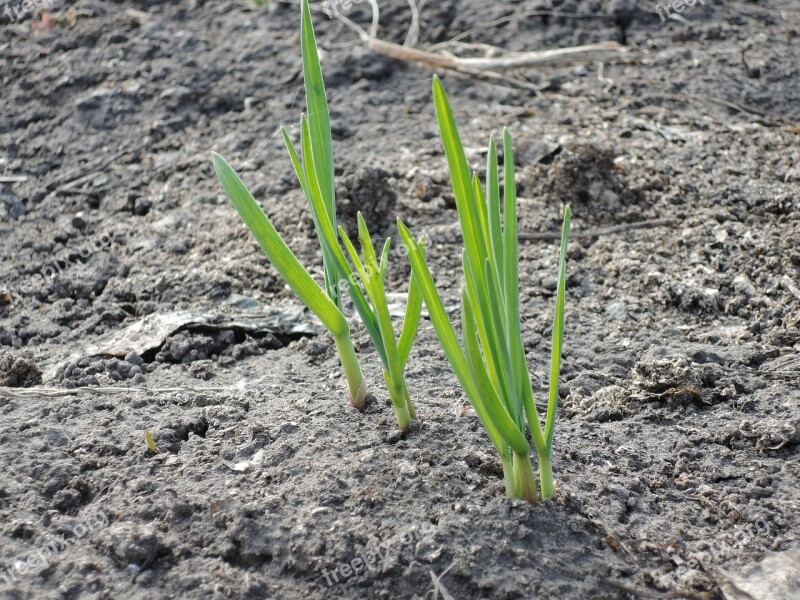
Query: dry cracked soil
124,268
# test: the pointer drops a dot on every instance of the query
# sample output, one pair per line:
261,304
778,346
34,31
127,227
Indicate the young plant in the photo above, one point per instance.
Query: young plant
315,174
393,352
317,180
491,365
151,443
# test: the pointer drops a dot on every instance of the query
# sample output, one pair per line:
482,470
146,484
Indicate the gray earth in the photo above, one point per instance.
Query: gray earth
677,441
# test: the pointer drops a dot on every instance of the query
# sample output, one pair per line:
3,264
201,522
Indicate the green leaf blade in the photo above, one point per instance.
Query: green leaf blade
473,351
510,235
493,211
370,258
298,167
279,254
460,177
319,120
558,330
384,266
410,320
365,311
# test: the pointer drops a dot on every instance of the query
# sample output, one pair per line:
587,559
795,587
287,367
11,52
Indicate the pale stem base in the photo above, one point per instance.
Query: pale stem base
546,476
508,476
352,371
524,482
401,402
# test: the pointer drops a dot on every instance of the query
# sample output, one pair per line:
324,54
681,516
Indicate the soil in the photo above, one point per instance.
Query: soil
677,442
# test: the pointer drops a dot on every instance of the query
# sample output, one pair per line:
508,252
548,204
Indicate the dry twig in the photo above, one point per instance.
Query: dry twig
537,58
483,68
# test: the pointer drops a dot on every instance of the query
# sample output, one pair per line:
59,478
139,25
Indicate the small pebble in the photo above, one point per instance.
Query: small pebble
134,359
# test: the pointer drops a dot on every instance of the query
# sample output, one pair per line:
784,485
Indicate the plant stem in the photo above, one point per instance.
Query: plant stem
411,412
399,395
352,370
524,482
403,418
546,475
398,391
508,476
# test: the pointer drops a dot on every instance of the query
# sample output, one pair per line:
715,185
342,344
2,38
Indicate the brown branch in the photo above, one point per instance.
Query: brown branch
538,58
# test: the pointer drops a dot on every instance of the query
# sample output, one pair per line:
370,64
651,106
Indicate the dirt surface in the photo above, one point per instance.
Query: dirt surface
677,443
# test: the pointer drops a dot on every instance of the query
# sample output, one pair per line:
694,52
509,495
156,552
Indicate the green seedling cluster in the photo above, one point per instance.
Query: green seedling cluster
490,360
393,352
491,365
315,174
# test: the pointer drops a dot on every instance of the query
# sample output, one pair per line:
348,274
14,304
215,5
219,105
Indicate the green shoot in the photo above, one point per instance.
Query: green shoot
151,443
316,178
315,175
491,366
393,352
